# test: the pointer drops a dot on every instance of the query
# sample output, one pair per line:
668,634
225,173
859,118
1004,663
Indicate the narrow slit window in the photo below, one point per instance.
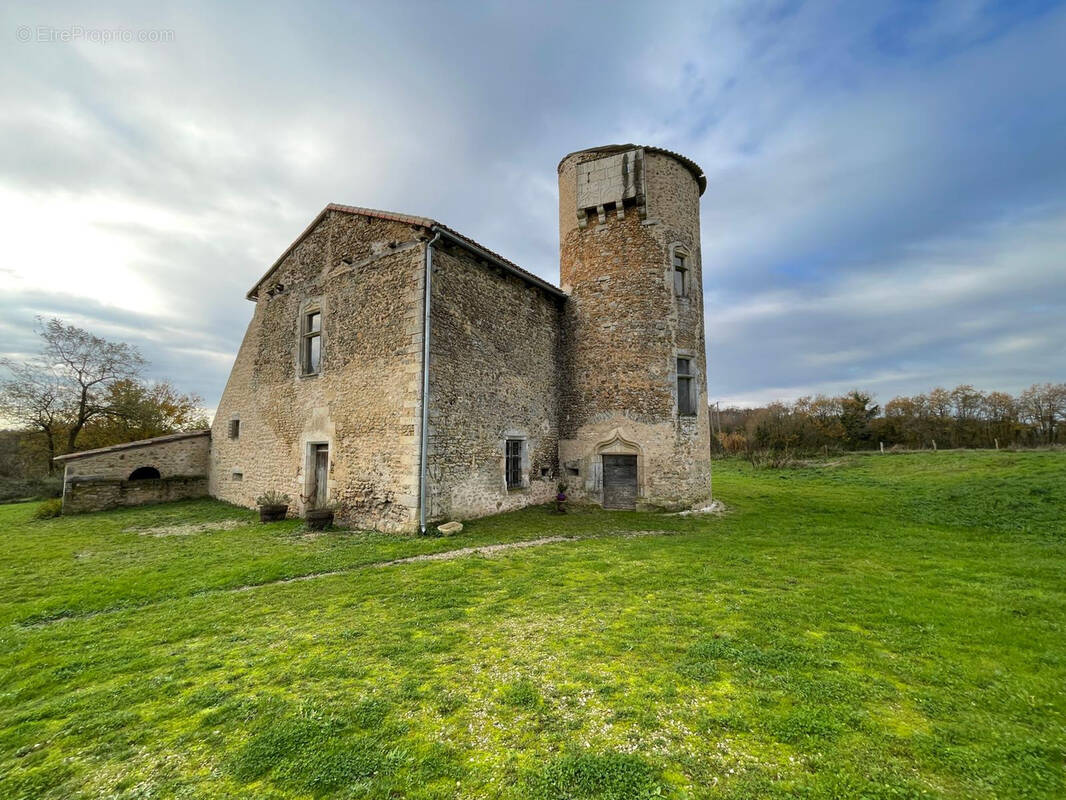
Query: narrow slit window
514,463
312,343
686,388
680,275
234,428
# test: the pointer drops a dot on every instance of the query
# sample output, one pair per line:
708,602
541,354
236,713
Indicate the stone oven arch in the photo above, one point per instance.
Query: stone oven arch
144,474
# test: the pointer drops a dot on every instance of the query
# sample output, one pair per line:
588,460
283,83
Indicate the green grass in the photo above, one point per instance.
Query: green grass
880,627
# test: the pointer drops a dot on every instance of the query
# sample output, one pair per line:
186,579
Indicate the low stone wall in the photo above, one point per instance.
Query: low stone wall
96,494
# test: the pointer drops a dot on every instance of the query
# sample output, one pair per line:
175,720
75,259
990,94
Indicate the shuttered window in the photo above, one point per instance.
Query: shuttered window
514,463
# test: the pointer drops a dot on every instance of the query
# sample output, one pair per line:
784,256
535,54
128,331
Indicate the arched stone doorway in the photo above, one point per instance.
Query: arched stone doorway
145,474
621,467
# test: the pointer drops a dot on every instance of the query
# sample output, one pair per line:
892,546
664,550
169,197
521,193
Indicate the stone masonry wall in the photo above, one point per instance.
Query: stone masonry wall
187,456
624,330
100,480
98,494
494,375
365,276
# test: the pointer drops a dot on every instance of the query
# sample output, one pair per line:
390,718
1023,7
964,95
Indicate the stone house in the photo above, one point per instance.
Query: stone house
407,374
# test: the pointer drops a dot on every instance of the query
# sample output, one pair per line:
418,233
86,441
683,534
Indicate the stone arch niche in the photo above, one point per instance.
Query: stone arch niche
144,474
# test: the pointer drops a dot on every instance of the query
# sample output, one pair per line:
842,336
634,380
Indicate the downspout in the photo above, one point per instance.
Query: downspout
424,439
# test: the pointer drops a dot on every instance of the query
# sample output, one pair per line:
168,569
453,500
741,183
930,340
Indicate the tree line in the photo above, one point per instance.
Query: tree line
79,392
942,418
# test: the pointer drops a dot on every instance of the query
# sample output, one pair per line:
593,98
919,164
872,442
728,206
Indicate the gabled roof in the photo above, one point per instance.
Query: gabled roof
171,437
421,222
687,163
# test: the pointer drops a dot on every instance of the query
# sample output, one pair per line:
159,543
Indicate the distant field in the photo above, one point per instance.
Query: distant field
873,626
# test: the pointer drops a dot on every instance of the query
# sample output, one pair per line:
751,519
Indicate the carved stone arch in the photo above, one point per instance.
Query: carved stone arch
617,444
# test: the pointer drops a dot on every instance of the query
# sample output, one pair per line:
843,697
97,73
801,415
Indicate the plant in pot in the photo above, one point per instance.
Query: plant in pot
319,516
560,499
273,506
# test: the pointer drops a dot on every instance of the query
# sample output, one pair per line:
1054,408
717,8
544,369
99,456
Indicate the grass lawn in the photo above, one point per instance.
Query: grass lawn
878,626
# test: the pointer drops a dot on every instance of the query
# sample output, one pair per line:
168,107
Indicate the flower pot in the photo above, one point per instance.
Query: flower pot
272,513
318,519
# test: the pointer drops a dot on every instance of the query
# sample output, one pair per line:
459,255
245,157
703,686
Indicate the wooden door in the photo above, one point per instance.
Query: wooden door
321,474
619,481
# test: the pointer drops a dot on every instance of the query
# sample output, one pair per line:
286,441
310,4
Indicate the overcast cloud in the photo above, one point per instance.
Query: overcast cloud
886,202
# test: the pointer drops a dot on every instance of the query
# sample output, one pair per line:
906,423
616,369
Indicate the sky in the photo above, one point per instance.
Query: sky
886,200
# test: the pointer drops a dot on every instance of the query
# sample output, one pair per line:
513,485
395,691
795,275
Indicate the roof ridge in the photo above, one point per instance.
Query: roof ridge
409,219
167,437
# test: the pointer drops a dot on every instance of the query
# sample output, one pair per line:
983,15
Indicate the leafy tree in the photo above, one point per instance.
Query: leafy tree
856,413
83,389
141,411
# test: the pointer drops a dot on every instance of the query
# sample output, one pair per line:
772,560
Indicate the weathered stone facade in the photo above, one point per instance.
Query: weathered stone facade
364,275
528,384
494,376
111,476
625,326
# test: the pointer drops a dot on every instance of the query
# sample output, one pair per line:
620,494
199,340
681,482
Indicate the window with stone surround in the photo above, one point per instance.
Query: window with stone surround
311,344
514,463
686,388
680,266
234,428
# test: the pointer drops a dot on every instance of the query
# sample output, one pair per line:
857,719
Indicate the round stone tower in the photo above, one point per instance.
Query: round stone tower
634,428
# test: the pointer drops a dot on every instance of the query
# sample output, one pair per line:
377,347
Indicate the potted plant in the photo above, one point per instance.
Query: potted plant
273,506
560,499
319,517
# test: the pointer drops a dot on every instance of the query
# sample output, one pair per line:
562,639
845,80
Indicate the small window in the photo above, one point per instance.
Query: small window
238,476
680,275
514,463
234,428
312,343
686,388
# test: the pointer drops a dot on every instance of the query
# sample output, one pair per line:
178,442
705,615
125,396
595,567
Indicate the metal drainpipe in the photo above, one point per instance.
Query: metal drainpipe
424,444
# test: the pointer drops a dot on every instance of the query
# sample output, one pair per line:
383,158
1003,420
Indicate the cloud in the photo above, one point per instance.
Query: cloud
885,203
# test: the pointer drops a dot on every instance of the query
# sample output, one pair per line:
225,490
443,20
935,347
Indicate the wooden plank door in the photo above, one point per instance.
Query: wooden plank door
619,481
321,474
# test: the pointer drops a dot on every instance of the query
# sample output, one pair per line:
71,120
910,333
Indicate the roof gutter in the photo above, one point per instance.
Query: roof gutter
423,456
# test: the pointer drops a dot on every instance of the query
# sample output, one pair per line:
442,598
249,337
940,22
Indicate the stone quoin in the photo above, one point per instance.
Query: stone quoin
598,383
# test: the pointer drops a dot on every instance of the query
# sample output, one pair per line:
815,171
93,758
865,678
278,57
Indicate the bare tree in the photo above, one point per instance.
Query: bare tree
67,384
34,396
1044,407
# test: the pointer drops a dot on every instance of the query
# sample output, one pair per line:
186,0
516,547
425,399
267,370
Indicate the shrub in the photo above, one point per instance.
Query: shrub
30,488
273,498
49,509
